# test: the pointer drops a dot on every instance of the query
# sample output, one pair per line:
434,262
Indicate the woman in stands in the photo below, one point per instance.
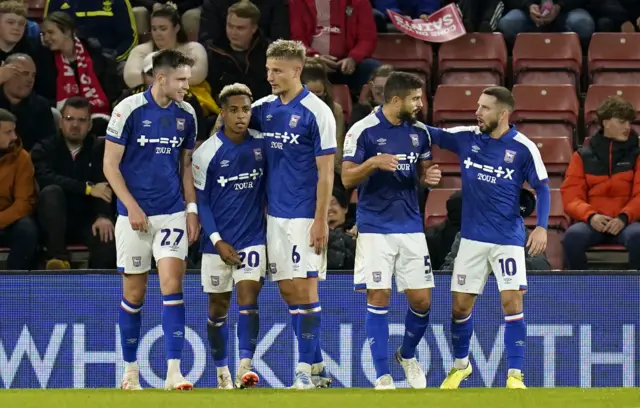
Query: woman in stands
314,76
83,57
166,33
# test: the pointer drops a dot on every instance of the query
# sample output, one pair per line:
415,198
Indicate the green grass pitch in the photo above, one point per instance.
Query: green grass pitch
332,398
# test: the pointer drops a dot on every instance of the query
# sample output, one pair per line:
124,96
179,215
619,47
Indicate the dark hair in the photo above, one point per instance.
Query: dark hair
245,9
383,71
171,14
400,84
6,116
76,102
233,90
341,197
171,59
13,7
615,107
502,95
62,20
315,70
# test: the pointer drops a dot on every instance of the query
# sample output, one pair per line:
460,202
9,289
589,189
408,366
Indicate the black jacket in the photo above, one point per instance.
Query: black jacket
55,166
225,69
274,19
183,5
619,11
34,118
341,250
565,5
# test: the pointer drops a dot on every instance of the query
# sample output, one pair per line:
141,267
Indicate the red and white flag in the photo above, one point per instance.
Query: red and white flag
442,26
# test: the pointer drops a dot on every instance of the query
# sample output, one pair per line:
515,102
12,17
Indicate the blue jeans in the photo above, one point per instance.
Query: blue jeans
359,78
578,21
22,239
580,236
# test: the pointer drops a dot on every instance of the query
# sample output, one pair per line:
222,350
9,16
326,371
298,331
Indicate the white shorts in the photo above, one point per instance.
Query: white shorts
476,260
166,237
218,277
381,256
290,255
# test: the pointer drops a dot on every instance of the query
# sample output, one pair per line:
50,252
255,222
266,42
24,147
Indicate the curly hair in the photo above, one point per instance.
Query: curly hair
615,107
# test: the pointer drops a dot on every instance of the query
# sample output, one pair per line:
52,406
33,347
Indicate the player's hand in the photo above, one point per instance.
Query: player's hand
138,219
102,191
599,222
386,162
227,253
319,235
433,175
103,227
537,242
193,227
614,226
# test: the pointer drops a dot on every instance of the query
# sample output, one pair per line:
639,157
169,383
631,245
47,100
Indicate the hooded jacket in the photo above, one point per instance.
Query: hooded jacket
18,188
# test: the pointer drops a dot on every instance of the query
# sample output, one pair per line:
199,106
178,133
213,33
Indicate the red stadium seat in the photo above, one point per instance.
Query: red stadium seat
614,58
547,104
556,153
546,129
598,93
554,251
436,206
475,58
447,161
36,9
405,54
450,182
456,104
342,96
547,58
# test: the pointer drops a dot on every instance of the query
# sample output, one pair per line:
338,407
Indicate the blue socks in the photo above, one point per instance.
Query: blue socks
415,324
248,328
461,332
129,320
515,336
173,325
218,336
308,331
377,328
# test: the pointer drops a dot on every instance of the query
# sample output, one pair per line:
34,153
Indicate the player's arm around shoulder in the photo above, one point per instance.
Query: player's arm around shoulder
448,138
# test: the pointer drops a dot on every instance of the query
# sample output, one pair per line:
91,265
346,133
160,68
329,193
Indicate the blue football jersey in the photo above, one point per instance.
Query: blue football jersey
153,137
230,185
294,134
493,172
388,201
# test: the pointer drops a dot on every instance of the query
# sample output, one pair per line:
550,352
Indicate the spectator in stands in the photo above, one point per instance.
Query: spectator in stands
75,201
373,95
566,15
239,56
533,263
616,15
166,33
481,15
189,10
111,22
32,29
33,112
342,236
314,76
601,190
18,231
274,19
95,75
440,238
147,79
342,33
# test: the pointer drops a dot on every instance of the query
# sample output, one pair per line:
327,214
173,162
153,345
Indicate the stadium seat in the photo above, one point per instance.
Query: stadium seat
547,104
475,58
456,105
556,153
447,161
36,10
405,54
450,181
343,97
547,58
554,251
546,129
614,58
436,206
598,93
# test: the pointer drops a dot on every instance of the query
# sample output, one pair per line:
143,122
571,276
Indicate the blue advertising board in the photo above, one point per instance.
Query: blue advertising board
61,331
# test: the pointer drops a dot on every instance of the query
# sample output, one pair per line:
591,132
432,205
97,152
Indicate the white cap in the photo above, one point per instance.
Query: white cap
147,64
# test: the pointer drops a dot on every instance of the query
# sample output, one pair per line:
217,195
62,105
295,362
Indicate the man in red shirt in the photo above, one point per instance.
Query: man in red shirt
342,33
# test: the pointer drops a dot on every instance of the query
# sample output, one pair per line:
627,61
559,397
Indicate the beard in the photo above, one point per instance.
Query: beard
408,116
11,147
488,127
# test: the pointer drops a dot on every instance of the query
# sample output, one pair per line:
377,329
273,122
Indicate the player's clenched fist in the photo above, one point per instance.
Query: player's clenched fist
386,162
137,219
433,175
227,253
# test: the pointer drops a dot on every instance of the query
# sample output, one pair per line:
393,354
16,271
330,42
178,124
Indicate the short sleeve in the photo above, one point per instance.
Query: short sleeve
119,127
324,133
354,146
257,113
203,163
534,167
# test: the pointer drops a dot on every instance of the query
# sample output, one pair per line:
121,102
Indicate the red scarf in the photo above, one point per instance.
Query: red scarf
89,86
